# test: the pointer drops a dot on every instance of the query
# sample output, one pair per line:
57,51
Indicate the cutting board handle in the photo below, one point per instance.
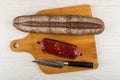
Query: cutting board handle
16,45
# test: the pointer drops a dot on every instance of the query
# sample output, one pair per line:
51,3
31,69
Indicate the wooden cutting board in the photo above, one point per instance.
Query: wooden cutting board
86,44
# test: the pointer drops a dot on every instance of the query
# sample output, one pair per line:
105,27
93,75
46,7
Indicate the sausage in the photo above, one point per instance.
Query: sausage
59,24
59,48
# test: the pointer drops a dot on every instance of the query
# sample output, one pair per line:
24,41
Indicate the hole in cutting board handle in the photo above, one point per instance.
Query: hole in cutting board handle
15,45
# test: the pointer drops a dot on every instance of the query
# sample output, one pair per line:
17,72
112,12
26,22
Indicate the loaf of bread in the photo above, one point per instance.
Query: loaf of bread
59,24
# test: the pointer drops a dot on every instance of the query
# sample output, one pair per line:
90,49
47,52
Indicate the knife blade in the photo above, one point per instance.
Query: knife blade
60,64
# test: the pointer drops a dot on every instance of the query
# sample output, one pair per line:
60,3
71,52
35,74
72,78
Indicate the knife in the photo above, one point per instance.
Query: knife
60,64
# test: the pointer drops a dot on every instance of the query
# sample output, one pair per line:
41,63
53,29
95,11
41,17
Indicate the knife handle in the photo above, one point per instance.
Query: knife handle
81,64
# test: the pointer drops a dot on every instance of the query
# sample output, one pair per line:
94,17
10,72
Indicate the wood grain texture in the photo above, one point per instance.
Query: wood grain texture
86,44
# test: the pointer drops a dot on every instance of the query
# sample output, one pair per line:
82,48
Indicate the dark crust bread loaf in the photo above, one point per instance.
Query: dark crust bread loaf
59,24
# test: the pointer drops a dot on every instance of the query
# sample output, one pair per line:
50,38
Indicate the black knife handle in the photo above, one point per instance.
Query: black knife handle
81,64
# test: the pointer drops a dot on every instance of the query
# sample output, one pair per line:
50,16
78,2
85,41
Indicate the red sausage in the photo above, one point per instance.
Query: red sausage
59,48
